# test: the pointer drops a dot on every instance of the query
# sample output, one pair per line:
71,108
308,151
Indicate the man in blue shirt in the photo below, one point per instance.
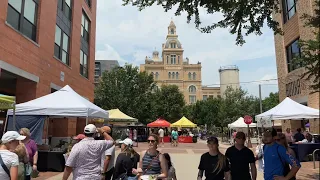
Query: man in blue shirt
275,159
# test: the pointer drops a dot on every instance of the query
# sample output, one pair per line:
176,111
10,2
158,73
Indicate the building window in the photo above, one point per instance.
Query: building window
88,3
189,75
22,15
61,46
173,75
155,89
157,75
194,76
167,59
192,99
173,45
65,7
210,96
172,31
169,74
85,24
97,66
192,89
152,74
289,9
178,59
177,75
96,73
173,59
293,51
205,97
83,64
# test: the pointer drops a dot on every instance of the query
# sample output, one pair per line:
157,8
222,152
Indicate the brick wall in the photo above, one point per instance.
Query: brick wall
37,57
293,29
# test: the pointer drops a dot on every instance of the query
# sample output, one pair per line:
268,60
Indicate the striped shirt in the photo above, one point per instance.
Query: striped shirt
85,158
153,162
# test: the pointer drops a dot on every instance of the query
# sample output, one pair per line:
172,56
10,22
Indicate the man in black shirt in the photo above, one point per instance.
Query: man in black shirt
298,136
213,164
240,158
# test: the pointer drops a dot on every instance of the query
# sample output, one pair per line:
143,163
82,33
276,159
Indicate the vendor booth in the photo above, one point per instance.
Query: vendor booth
115,115
184,123
7,102
32,115
288,109
161,123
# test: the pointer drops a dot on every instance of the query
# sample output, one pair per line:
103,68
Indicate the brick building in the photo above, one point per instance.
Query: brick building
290,82
45,45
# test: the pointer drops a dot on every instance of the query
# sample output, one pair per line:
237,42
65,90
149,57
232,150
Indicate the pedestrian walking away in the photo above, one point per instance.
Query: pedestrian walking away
241,158
171,170
213,164
276,157
84,160
161,135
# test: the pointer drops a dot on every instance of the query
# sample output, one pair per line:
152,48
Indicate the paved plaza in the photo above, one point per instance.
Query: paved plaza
186,159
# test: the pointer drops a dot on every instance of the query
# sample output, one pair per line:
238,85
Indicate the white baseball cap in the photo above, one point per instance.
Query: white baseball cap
90,129
127,142
11,136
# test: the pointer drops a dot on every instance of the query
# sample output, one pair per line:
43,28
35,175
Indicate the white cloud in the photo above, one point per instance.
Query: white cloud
131,33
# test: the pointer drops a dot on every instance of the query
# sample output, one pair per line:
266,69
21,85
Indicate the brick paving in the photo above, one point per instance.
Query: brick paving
186,158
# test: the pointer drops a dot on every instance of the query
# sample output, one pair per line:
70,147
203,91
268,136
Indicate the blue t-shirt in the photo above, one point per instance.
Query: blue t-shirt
174,134
273,165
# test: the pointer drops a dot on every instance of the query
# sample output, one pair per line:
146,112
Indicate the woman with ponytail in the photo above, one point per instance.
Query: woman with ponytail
213,164
124,163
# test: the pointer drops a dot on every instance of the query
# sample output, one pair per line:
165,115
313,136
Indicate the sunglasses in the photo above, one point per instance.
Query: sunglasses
151,141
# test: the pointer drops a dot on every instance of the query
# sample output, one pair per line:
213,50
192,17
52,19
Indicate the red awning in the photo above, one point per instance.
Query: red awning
159,123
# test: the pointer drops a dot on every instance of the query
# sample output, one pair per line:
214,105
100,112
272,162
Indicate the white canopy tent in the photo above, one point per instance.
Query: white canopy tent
288,109
62,103
240,124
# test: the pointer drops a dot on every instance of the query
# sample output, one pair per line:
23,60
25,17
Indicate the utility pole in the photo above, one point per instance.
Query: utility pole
260,99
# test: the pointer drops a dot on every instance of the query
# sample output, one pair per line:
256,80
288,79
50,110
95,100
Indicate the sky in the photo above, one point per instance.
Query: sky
125,34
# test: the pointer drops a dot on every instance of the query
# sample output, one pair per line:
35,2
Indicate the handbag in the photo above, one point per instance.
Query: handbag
4,167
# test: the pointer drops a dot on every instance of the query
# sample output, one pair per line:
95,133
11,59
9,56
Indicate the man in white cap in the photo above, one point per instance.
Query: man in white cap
84,160
9,161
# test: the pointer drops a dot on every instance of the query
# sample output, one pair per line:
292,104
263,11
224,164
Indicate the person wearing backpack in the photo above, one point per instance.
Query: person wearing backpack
276,157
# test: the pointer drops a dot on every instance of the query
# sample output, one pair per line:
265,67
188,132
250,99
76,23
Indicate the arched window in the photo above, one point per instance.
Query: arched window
173,59
173,45
173,75
169,74
177,75
152,74
194,76
157,75
167,59
192,89
189,75
178,59
155,88
172,31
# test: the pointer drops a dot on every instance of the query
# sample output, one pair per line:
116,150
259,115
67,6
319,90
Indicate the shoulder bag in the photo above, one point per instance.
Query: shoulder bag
4,167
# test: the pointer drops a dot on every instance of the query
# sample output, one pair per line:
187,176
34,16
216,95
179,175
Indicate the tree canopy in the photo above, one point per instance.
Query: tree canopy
241,17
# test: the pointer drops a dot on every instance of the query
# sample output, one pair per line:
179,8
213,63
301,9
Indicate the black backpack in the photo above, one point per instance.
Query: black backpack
286,166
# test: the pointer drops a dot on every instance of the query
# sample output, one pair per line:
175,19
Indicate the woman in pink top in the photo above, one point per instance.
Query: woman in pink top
32,151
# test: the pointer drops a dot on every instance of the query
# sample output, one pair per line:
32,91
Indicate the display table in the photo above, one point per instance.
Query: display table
303,149
185,139
166,139
51,161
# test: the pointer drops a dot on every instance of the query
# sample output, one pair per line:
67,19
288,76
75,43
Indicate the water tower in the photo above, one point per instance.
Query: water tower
229,77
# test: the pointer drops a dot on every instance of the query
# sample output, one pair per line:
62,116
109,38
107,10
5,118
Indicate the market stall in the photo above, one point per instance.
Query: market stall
115,115
7,102
161,123
63,103
184,123
288,109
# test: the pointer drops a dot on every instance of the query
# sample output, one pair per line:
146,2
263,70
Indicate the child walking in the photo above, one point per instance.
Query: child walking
171,169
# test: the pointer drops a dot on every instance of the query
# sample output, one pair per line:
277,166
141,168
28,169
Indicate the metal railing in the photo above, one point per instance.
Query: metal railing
313,158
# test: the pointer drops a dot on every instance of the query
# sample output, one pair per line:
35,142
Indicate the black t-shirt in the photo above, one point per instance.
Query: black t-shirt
208,164
135,160
123,165
298,137
240,160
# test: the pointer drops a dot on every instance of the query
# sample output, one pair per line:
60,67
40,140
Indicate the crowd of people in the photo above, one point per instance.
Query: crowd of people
92,156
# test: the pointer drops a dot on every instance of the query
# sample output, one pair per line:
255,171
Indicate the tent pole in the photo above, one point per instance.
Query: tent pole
87,118
47,129
6,124
14,117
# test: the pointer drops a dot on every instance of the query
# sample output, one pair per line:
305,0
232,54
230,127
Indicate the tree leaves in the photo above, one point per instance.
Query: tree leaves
242,17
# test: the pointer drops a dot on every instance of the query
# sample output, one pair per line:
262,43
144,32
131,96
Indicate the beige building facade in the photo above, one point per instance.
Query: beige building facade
173,68
290,82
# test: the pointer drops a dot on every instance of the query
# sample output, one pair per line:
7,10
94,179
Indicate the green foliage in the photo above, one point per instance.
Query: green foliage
270,102
310,52
127,89
238,16
168,103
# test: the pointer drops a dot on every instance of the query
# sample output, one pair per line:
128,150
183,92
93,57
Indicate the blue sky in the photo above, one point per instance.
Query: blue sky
127,35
